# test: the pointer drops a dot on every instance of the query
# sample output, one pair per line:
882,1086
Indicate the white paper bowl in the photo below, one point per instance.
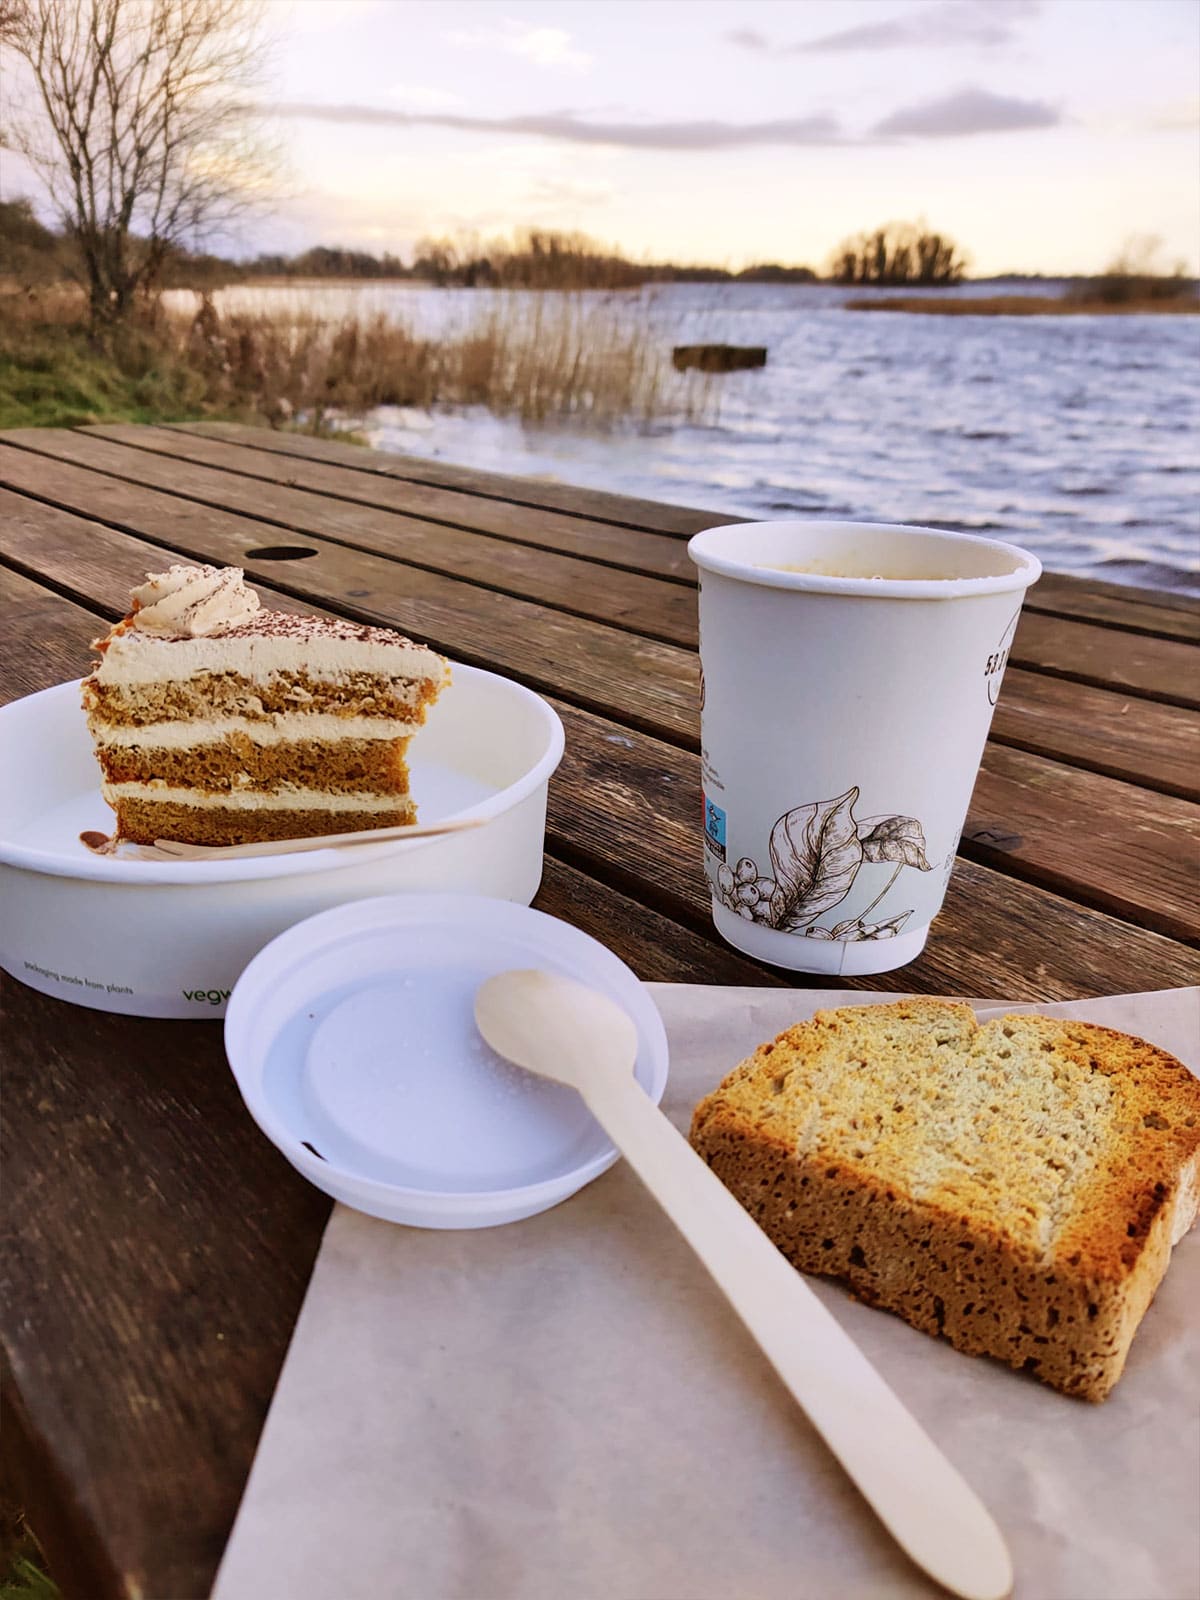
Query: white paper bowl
169,939
353,1041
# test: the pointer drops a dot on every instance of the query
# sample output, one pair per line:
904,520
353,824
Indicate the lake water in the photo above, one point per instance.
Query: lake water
1076,436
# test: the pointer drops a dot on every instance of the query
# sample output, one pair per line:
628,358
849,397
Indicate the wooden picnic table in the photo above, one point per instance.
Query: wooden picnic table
159,1245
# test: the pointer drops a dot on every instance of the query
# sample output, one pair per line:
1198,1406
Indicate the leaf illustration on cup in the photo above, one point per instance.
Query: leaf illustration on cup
893,839
855,928
816,851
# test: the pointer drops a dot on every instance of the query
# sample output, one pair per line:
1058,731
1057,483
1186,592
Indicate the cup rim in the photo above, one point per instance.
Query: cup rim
704,548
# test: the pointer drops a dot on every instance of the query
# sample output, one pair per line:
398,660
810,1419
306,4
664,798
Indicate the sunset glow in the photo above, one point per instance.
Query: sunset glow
1043,135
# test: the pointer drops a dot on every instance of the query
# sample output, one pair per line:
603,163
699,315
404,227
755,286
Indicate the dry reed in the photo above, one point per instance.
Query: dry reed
540,357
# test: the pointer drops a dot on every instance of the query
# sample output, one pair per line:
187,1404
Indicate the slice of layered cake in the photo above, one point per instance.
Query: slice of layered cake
218,723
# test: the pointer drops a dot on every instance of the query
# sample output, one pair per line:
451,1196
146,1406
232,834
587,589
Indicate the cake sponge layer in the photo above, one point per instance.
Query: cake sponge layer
143,821
237,762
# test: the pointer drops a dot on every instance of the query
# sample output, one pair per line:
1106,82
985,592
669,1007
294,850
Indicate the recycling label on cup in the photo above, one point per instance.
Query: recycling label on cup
714,828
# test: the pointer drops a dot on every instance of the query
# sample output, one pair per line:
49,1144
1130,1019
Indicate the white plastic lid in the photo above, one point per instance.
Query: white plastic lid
353,1041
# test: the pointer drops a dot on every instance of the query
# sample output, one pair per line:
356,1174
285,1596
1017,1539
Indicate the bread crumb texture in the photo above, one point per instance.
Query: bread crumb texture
1015,1187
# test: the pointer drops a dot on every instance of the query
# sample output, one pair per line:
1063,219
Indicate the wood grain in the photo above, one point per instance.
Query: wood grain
159,1246
651,606
628,807
652,684
1146,668
1122,736
1162,612
596,504
1160,669
1138,876
654,687
1142,863
653,554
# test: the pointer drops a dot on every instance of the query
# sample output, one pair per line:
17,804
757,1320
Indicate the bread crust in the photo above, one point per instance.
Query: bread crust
1015,1188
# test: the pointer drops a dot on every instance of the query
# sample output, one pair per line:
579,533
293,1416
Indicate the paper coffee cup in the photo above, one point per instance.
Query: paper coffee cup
848,677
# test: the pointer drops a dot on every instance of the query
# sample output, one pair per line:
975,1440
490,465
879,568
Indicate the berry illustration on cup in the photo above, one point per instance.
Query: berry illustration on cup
816,853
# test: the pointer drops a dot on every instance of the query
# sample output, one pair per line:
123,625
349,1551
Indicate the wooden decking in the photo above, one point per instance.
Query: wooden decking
161,1246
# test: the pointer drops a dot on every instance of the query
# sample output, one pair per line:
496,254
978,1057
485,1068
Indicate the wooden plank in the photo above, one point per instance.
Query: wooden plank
653,554
128,1283
1148,667
35,1482
651,684
1142,861
1168,613
1165,613
1136,740
659,949
140,1333
1136,872
1122,736
655,607
600,505
45,639
158,1291
1152,667
628,807
1160,669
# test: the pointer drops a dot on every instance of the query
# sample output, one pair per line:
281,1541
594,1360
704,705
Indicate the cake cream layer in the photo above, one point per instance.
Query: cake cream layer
375,766
286,797
272,642
286,727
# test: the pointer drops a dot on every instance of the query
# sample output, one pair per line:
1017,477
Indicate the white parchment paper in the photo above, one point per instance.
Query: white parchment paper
567,1409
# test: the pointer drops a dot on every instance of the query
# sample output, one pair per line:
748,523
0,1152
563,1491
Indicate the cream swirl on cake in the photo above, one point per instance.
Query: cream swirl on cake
192,601
217,722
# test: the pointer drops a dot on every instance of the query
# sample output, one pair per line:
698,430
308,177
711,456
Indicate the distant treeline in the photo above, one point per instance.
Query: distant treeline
533,259
899,254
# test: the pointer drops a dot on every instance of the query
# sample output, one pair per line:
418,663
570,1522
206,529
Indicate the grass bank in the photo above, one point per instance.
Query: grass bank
23,1574
540,358
52,374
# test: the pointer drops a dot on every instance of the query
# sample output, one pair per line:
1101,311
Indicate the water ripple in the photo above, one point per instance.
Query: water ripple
1076,436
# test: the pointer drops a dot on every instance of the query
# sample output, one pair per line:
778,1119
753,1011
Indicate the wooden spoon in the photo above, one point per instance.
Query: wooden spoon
176,850
562,1030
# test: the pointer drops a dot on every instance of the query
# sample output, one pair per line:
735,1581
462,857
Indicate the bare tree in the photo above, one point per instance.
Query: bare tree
901,252
138,123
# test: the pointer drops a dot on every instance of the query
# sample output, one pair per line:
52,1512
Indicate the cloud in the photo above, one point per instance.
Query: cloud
567,126
986,23
968,111
749,39
419,97
545,47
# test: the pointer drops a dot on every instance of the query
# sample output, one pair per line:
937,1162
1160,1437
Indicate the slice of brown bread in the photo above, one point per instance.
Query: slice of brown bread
1015,1187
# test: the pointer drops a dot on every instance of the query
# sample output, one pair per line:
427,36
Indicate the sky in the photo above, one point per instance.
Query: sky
1042,135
